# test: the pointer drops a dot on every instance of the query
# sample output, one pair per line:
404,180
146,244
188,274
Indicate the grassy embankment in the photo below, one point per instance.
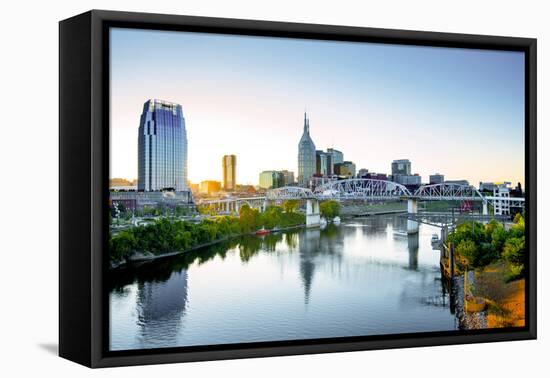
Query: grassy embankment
496,254
505,299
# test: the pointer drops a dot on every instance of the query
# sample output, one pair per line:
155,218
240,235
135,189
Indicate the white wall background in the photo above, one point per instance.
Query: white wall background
29,185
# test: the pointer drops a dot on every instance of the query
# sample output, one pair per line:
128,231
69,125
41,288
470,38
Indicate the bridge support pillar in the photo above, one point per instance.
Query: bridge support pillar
485,208
412,208
237,208
313,214
264,206
444,234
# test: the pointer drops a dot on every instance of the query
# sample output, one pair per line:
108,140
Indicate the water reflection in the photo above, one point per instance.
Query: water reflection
160,309
412,243
366,276
309,245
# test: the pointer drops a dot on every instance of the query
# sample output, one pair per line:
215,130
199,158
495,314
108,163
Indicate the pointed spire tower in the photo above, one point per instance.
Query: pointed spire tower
306,156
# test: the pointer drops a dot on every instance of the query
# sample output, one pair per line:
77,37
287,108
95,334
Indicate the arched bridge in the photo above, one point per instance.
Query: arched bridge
367,190
290,193
448,192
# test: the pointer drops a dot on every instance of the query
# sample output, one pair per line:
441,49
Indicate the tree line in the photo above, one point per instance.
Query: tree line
169,235
478,245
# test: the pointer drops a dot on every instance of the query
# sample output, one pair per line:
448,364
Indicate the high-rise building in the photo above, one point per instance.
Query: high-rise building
229,166
271,179
162,147
437,178
333,157
321,163
345,168
401,167
288,177
409,180
362,173
321,159
306,156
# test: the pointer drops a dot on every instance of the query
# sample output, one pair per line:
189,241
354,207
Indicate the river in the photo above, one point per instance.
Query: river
363,277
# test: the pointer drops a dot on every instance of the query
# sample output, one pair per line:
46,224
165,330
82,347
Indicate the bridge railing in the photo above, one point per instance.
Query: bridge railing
448,191
371,189
361,188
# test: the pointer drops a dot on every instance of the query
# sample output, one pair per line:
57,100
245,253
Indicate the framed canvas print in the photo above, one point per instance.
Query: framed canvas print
234,188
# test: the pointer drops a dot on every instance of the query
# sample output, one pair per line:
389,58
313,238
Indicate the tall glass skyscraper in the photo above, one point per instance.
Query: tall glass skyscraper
306,156
162,147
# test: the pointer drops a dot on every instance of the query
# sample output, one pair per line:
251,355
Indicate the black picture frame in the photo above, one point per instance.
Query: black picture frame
83,164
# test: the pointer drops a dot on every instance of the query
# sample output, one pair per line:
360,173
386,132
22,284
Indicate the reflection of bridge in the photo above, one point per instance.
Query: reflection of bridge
366,190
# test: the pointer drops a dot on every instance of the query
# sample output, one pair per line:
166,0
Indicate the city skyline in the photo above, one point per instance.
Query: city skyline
400,112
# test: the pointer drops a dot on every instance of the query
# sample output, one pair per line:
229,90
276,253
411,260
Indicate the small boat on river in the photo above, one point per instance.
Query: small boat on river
262,231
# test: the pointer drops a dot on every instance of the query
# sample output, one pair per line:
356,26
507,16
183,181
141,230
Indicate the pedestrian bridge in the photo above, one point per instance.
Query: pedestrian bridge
367,190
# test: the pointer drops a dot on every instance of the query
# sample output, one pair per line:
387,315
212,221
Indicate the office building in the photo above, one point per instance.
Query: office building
333,157
376,176
288,177
409,180
162,147
271,179
499,190
321,163
437,178
306,156
401,167
362,173
345,168
229,167
210,186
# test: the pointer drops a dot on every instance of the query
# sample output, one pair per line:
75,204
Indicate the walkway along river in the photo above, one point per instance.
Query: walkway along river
363,277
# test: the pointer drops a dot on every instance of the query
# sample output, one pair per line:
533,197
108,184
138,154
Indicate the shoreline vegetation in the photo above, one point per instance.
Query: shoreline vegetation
167,237
495,254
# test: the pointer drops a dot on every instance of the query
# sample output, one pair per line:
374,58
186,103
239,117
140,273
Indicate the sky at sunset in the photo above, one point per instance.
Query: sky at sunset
459,112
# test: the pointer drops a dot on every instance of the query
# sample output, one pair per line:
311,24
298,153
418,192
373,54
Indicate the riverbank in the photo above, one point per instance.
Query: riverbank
467,320
505,300
140,258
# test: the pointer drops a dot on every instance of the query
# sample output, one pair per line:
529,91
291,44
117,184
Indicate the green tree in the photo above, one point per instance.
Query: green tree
249,218
514,254
330,209
291,206
180,210
467,250
498,238
271,217
121,245
518,229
